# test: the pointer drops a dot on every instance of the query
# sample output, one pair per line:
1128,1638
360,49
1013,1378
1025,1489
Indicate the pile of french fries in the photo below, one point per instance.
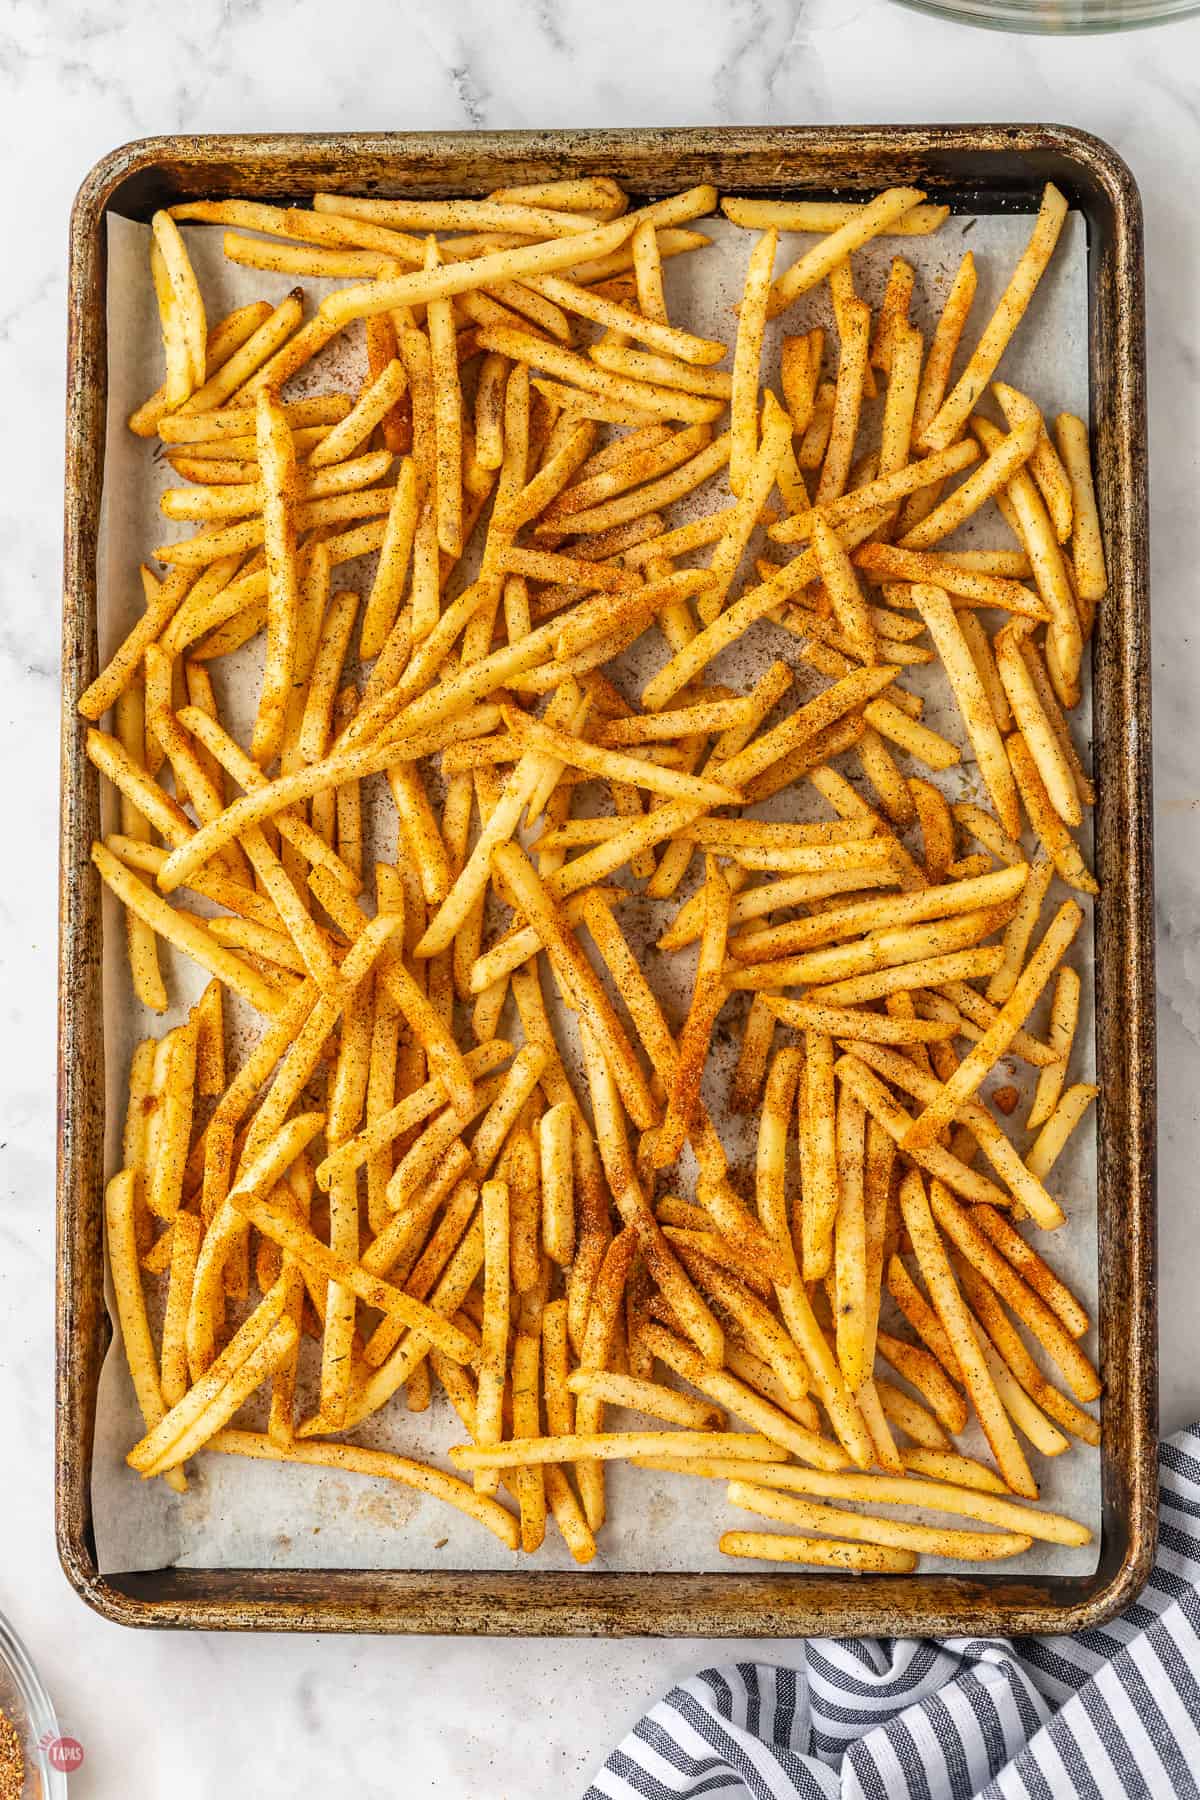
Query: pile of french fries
391,1191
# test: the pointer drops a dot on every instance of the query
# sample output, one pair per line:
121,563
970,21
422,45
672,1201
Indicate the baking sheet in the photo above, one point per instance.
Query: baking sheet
242,1514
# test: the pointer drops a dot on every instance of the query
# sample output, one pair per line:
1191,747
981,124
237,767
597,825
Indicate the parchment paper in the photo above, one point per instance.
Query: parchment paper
242,1514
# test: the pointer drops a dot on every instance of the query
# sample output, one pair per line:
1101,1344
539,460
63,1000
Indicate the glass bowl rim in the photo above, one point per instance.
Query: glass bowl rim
40,1718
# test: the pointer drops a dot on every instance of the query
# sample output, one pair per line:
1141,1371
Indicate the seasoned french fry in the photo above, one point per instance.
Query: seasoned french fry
847,401
947,1300
747,354
876,216
708,997
956,408
850,1244
1087,543
935,608
1052,1138
555,1132
820,1192
1000,1032
1064,1017
817,1552
971,1546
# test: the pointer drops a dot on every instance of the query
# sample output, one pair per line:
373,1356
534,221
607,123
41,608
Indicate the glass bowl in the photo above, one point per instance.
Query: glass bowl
1058,15
28,1705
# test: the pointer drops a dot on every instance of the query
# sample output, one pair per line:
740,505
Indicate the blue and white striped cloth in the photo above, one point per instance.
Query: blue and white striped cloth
1113,1712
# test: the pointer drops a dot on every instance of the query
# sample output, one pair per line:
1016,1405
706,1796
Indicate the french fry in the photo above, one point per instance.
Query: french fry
890,911
1051,1140
954,411
972,1502
937,827
970,1546
1005,460
999,1035
617,1446
1064,1017
884,489
580,981
121,1238
848,1022
1064,640
817,1552
741,1401
1044,465
1017,1294
750,1072
648,1397
747,355
356,1459
187,933
820,1192
555,1132
871,956
821,215
1087,543
655,333
708,996
935,608
1037,730
1022,1367
761,472
800,371
882,1106
646,400
1020,929
1055,838
847,401
841,584
494,1350
875,217
814,440
849,1243
947,1300
966,585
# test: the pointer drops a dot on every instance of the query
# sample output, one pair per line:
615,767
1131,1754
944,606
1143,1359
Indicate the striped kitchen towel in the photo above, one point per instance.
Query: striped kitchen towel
1110,1712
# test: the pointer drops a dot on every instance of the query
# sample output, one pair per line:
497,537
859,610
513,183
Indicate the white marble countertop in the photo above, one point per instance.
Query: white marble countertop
196,1715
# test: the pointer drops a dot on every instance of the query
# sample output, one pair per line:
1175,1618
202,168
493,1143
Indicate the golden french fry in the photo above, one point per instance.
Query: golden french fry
1087,543
970,1546
617,1446
740,1400
1064,1017
999,1034
708,997
875,217
935,608
822,215
1051,1140
947,1300
965,584
850,1244
956,408
1020,929
848,1022
853,367
820,1193
747,355
1037,730
1006,458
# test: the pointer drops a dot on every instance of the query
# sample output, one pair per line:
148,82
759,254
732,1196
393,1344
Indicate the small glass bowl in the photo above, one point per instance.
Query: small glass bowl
1058,15
29,1706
